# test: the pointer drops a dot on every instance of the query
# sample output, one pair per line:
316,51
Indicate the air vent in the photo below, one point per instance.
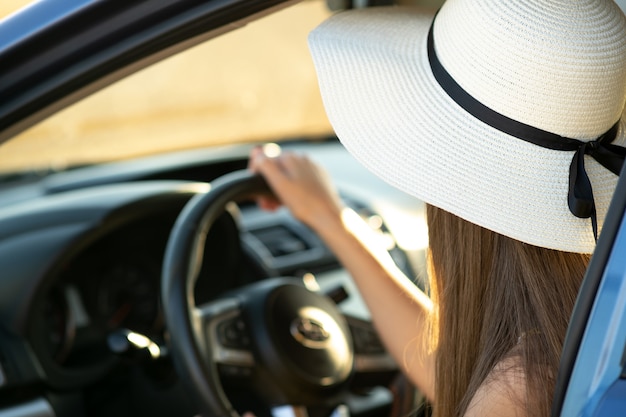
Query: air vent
280,241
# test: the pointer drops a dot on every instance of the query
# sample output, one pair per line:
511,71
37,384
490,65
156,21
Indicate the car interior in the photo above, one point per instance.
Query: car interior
130,238
91,198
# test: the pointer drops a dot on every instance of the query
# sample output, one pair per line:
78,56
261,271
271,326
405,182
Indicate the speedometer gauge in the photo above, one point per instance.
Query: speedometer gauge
128,298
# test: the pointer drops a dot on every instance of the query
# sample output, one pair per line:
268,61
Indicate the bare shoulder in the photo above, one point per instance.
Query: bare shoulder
503,393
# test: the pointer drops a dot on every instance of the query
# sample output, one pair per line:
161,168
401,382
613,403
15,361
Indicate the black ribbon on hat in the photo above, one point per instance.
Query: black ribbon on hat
580,195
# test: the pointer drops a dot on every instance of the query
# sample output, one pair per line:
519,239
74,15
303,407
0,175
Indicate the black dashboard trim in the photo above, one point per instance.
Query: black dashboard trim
78,220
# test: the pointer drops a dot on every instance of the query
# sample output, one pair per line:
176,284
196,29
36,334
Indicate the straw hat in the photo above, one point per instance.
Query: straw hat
490,120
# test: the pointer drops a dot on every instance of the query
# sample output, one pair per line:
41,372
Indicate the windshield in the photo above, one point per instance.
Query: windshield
255,83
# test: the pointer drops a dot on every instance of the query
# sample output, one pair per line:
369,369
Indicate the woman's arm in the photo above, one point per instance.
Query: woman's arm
399,309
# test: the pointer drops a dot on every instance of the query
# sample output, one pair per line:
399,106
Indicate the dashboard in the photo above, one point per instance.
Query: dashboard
84,252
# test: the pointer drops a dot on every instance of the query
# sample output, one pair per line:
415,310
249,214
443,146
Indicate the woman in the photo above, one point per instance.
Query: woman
505,118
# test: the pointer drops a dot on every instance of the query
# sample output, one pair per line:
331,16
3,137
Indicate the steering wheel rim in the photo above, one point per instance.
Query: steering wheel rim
296,309
180,263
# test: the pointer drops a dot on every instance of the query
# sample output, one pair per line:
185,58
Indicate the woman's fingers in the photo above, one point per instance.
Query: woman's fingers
266,202
299,183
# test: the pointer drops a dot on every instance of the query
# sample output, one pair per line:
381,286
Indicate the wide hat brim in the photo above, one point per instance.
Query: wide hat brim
391,114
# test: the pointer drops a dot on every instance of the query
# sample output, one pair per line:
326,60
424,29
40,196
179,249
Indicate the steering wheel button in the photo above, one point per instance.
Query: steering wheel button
233,334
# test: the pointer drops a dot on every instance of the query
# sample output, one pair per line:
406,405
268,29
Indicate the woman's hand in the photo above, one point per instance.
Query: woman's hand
301,185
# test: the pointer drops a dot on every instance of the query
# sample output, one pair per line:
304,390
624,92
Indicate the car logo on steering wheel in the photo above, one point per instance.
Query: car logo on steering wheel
309,332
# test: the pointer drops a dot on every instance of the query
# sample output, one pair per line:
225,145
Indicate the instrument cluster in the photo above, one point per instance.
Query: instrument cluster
113,287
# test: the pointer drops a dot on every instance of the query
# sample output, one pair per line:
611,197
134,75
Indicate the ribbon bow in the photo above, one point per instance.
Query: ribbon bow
580,196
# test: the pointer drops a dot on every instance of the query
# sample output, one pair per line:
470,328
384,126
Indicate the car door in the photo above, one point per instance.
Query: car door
592,376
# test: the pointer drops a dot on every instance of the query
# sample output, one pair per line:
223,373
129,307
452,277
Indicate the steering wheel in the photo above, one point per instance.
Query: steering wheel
290,345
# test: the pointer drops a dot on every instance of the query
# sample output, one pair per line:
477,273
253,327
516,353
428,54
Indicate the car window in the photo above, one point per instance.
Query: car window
222,91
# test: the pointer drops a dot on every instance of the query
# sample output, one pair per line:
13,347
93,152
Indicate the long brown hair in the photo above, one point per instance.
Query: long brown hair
496,297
